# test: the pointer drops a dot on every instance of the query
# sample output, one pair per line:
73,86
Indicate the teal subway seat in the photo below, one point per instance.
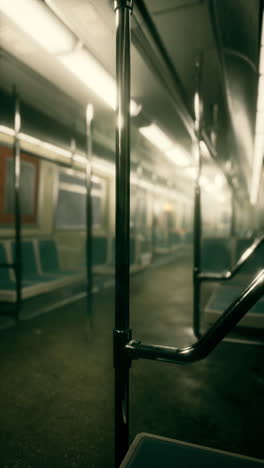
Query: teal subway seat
35,281
149,450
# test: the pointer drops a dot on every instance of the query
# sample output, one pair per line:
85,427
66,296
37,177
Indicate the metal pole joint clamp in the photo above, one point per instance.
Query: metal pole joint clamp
123,4
121,339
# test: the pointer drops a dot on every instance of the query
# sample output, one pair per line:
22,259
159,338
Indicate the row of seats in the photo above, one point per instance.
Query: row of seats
225,292
40,269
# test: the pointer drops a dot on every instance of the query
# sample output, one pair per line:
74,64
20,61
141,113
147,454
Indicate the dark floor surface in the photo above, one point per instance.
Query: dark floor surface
56,387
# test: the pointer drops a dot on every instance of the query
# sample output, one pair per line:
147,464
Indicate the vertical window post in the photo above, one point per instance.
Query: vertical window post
122,333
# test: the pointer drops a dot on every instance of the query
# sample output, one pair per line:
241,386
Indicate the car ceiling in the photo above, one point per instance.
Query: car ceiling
225,33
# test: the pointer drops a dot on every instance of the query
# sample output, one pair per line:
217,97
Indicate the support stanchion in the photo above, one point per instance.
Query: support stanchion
122,333
17,210
197,228
89,213
137,218
154,219
73,151
233,231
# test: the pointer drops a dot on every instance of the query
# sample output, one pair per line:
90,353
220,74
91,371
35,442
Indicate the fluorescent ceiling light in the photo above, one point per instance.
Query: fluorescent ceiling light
179,157
36,20
158,138
92,74
86,68
39,22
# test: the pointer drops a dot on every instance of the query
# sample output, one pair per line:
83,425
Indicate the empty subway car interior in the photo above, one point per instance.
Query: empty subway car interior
131,199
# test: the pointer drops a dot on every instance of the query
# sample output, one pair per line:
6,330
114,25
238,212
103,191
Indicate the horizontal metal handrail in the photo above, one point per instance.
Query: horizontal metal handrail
239,264
199,350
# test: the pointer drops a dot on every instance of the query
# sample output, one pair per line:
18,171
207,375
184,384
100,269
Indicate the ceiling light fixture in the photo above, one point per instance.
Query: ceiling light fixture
83,65
56,38
158,138
36,20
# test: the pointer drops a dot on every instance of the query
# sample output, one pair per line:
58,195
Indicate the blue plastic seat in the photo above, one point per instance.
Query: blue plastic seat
49,259
215,255
152,451
29,267
4,272
224,294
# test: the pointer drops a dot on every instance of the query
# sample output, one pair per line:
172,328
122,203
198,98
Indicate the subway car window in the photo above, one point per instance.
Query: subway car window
131,231
71,202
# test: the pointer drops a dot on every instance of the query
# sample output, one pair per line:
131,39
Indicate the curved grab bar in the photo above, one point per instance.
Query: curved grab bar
239,264
199,350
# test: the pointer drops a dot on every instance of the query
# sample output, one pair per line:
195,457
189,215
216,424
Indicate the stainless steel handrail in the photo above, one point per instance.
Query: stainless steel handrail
215,334
237,267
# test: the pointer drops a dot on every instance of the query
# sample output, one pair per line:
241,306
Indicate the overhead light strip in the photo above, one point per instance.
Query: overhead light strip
159,139
55,37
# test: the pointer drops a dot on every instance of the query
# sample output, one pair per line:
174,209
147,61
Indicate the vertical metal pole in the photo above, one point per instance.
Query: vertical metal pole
89,208
122,333
233,249
197,207
17,174
73,150
233,214
154,219
137,231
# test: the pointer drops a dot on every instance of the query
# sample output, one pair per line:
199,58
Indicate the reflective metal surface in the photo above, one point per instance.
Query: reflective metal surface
89,212
210,339
17,165
122,245
239,264
197,228
167,71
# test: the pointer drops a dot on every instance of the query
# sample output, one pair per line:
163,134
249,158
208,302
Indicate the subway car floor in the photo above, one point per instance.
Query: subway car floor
57,380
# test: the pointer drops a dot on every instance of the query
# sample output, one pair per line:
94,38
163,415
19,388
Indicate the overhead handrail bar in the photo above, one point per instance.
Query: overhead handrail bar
206,344
247,254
